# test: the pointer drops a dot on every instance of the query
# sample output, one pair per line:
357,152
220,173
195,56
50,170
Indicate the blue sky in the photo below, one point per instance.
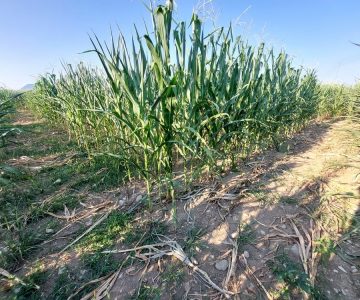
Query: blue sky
36,35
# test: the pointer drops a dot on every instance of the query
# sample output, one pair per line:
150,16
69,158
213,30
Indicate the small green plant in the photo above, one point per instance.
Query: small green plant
174,274
288,200
31,289
65,284
193,240
147,292
246,235
19,246
263,196
292,275
146,233
58,203
115,228
325,246
99,264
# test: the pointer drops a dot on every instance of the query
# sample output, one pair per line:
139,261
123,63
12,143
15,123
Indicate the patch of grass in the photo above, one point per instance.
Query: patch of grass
19,202
11,174
99,264
174,273
288,200
193,240
283,147
14,203
263,196
246,235
30,291
19,199
20,188
53,224
342,218
42,143
19,245
104,174
325,246
147,292
115,228
65,285
335,165
58,203
147,233
61,174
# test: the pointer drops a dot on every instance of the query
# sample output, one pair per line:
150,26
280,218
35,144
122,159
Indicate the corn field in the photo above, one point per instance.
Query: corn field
337,100
7,107
178,101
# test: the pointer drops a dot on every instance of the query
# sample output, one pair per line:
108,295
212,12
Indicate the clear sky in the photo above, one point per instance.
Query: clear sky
35,35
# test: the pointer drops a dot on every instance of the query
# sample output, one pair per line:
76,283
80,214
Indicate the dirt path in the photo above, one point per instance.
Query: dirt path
286,226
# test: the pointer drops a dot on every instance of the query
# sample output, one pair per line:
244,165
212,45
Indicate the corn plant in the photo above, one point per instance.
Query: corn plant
336,100
169,101
7,107
43,99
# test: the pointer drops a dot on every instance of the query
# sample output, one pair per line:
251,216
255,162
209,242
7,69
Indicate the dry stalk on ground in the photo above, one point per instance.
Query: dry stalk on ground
12,277
232,269
90,210
101,219
251,274
172,248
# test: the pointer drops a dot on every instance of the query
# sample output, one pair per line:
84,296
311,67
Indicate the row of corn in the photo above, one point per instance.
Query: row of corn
171,102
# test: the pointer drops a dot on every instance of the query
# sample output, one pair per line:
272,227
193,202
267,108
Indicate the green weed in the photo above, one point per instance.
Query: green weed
21,243
325,247
174,274
193,240
65,284
30,291
146,233
288,200
246,235
115,228
147,292
293,276
99,264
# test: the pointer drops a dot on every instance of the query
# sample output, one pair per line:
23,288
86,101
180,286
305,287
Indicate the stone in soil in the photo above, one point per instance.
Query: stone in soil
221,265
246,254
